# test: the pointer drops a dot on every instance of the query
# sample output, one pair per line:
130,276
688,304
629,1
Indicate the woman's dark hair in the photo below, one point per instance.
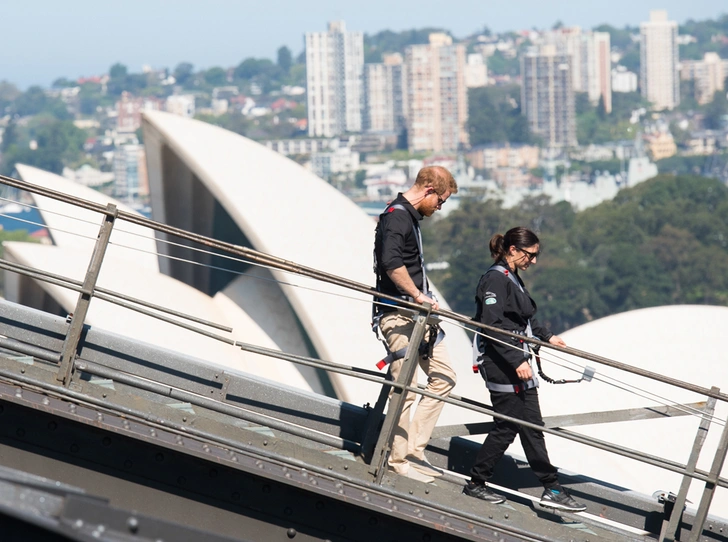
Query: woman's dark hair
519,237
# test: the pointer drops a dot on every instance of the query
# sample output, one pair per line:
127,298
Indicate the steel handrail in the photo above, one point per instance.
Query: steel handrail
292,267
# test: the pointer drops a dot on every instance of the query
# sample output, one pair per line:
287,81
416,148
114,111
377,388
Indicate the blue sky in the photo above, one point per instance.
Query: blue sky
47,39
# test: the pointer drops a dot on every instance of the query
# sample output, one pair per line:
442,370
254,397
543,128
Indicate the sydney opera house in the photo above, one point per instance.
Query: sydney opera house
219,184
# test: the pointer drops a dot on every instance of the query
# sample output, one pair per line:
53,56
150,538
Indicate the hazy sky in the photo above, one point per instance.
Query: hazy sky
46,39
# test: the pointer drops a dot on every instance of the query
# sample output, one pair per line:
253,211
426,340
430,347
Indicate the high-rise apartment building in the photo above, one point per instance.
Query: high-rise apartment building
597,68
547,96
384,95
437,99
659,80
709,75
590,58
334,66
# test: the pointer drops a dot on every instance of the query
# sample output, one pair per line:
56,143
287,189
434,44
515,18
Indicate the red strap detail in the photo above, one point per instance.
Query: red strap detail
381,364
390,209
475,368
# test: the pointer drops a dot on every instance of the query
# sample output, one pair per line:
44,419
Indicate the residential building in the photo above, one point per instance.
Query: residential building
437,99
290,147
328,165
547,96
384,95
659,80
334,67
129,111
130,177
504,155
590,59
623,80
660,145
476,71
597,68
181,104
709,75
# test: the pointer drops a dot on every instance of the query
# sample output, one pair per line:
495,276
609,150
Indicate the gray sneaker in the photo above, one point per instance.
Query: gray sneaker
560,498
482,492
423,466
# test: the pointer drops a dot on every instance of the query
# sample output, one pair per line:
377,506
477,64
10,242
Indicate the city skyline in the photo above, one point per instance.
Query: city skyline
52,40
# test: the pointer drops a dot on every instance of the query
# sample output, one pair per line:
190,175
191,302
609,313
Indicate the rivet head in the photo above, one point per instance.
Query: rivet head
133,524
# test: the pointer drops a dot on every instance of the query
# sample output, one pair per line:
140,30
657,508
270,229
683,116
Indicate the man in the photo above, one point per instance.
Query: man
401,272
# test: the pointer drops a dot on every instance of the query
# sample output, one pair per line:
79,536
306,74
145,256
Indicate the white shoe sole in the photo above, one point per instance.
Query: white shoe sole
556,506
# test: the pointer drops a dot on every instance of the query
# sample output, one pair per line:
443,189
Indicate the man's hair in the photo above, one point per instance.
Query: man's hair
440,179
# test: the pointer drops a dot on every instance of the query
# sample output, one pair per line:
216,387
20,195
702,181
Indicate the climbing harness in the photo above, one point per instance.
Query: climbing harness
530,350
435,334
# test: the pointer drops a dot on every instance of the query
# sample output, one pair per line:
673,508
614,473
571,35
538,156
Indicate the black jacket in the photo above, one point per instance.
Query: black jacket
500,303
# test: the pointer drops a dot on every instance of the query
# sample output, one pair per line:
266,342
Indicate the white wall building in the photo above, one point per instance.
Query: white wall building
589,56
476,71
181,104
547,96
709,75
334,66
659,80
129,161
329,164
437,99
623,80
597,68
384,95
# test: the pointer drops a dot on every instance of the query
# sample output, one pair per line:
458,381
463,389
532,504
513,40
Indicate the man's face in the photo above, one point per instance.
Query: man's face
433,202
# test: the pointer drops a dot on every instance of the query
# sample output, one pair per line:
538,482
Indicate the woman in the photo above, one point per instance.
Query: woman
502,301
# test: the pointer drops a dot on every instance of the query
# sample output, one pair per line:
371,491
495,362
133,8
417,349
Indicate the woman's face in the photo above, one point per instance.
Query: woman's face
522,258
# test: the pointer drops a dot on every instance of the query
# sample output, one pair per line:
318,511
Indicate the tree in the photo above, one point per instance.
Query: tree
215,77
59,143
118,71
716,111
285,59
253,67
638,250
621,39
183,73
494,116
498,64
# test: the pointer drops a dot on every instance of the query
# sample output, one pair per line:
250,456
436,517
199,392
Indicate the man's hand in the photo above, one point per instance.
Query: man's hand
422,299
524,371
557,341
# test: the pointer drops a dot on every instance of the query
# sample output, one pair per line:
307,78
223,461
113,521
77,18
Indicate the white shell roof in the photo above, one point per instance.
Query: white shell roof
684,342
77,228
287,211
127,278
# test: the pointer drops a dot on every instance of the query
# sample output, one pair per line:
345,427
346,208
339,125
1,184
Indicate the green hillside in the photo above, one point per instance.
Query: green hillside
662,242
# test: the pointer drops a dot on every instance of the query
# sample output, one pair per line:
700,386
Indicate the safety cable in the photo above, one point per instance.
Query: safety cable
622,385
49,211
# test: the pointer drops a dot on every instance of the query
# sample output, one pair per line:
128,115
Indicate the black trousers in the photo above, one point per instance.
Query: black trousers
523,406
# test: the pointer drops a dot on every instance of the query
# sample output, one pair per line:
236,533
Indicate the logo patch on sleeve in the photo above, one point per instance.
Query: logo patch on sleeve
490,301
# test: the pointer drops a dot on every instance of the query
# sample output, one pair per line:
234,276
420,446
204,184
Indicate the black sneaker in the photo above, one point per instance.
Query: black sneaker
480,491
560,498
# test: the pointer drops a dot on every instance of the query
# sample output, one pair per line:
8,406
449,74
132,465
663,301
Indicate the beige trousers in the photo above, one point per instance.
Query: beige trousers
411,437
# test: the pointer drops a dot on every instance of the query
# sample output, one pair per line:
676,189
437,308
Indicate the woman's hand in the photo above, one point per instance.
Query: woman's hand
524,371
557,341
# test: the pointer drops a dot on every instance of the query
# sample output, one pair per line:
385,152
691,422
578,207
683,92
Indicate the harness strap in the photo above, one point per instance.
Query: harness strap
435,336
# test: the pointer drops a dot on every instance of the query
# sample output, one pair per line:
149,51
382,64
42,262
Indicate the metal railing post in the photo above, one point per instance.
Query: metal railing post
670,530
70,344
374,422
396,403
710,486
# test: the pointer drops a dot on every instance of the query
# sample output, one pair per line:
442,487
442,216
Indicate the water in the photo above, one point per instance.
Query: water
13,215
